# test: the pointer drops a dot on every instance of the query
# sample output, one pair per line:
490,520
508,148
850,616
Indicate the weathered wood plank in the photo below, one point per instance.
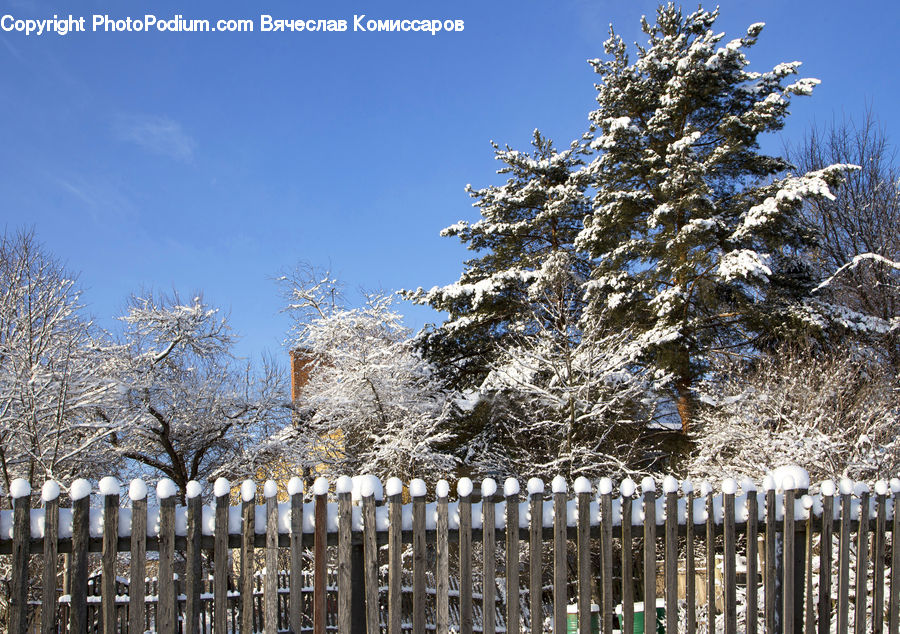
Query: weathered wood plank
49,596
248,538
788,596
295,601
769,581
606,550
137,566
345,587
167,620
583,544
862,560
671,557
418,546
466,621
809,619
489,559
843,602
220,556
535,554
752,532
826,530
110,488
627,554
79,563
370,553
878,579
18,599
270,592
395,550
193,568
710,562
560,565
730,576
648,490
511,492
689,563
894,620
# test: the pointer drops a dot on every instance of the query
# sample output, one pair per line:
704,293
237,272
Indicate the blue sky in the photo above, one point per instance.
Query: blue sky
214,161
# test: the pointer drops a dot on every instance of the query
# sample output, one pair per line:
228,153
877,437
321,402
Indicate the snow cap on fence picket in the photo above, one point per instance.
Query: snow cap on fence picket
109,486
807,502
81,488
535,485
768,483
364,483
165,489
222,487
417,488
442,489
248,490
799,477
394,486
687,486
604,487
627,487
748,485
670,484
50,490
559,485
488,487
648,484
860,487
895,485
464,487
705,488
320,486
827,488
270,489
19,488
193,489
729,486
137,490
295,486
343,485
581,485
881,487
846,486
511,487
367,486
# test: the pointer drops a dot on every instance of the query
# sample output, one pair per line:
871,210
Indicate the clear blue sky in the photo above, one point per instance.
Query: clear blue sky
213,161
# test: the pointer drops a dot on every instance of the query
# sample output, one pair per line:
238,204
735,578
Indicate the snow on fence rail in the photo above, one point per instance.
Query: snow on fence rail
792,528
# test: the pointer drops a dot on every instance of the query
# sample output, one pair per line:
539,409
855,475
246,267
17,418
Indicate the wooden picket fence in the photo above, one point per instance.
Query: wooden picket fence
618,543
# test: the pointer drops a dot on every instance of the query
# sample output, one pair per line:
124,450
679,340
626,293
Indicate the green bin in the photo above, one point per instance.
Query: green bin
639,617
572,619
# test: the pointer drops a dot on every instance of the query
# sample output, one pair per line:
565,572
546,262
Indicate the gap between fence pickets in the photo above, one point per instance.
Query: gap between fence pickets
803,506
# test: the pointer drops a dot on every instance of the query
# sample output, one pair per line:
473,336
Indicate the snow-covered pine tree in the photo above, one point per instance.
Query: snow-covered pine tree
527,277
697,244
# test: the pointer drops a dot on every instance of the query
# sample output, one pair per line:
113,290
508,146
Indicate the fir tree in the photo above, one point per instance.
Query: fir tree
697,244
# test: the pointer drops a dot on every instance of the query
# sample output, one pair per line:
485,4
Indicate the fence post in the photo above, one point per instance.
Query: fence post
464,491
193,576
270,591
417,492
710,557
560,564
606,550
670,488
771,599
80,493
20,492
648,490
50,496
442,565
788,595
582,488
109,488
689,567
343,488
222,492
894,622
393,490
799,537
535,554
729,488
137,493
370,551
511,492
843,603
749,488
248,531
295,603
827,529
627,489
320,561
489,558
862,556
809,626
881,489
167,610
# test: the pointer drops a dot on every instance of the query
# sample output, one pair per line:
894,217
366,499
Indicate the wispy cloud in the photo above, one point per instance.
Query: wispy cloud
102,200
159,135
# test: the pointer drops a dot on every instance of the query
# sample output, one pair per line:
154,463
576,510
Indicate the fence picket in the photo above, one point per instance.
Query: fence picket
78,575
689,565
50,495
769,583
606,550
270,621
417,491
295,601
167,619
193,569
752,556
648,490
843,603
894,621
710,561
511,491
248,536
560,595
18,600
343,489
862,560
671,555
370,552
489,557
826,529
466,622
110,489
395,547
583,495
535,554
810,613
878,579
137,492
730,577
627,490
220,556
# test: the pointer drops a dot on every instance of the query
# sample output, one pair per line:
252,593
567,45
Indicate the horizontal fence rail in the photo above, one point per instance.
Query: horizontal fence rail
367,558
